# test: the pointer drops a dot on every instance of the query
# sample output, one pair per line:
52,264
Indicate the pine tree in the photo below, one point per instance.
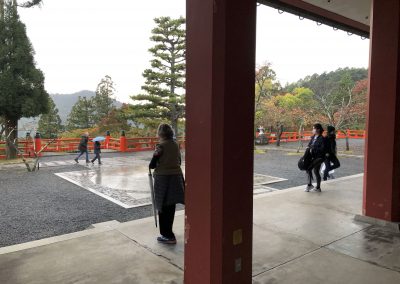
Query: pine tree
103,100
50,123
165,82
29,4
22,92
81,115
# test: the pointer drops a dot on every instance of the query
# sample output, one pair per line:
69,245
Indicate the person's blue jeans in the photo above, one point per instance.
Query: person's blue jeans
81,153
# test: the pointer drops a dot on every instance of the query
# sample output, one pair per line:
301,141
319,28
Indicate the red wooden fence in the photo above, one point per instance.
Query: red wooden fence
122,144
295,136
125,144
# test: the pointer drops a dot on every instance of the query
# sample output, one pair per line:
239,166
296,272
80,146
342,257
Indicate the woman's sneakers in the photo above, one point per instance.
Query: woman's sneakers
168,241
317,189
311,187
308,187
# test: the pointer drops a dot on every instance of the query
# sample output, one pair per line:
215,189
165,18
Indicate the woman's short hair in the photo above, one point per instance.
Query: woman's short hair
165,131
319,127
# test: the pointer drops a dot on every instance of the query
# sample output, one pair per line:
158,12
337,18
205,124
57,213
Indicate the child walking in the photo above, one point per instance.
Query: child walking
331,161
97,151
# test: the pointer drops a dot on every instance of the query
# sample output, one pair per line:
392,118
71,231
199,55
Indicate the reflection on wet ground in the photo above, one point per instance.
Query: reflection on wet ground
125,181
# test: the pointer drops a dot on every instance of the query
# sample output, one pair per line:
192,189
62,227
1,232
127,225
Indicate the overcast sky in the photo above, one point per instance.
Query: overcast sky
79,42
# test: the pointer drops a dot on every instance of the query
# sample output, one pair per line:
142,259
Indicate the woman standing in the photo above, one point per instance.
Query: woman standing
331,161
168,181
317,150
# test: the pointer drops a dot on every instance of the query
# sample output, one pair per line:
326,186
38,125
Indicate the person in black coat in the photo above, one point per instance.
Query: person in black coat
331,160
317,150
83,148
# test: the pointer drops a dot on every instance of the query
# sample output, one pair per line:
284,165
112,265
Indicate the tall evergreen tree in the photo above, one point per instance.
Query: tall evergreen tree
103,100
22,92
164,97
81,115
50,123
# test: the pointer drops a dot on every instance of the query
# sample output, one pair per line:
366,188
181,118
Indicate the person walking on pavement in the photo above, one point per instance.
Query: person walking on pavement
331,160
83,148
317,150
97,151
168,181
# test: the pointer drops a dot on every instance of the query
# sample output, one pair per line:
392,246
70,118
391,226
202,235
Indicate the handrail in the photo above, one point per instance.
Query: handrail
136,144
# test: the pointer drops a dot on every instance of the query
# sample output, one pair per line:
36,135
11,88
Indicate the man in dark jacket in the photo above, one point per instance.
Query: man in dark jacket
331,160
83,148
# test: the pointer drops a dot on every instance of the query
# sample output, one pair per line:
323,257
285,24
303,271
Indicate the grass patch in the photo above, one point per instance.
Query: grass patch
294,154
14,161
259,151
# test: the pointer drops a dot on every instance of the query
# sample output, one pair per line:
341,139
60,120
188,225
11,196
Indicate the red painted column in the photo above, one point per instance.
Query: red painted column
38,143
219,168
107,142
382,159
122,142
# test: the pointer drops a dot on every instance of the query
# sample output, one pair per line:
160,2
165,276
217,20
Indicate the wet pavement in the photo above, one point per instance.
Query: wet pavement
125,181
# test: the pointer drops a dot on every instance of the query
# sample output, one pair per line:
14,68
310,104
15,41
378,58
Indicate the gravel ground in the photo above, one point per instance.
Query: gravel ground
40,204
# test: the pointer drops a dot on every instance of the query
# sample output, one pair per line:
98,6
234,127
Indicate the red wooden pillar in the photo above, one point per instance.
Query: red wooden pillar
382,159
122,142
38,143
107,142
219,169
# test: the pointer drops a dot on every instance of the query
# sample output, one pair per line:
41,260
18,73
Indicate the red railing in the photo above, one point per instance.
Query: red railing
125,144
122,144
295,136
25,146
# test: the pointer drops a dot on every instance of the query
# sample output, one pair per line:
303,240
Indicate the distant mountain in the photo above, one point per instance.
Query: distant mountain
64,103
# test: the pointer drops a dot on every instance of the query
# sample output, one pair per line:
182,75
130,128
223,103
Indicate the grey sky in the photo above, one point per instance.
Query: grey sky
79,42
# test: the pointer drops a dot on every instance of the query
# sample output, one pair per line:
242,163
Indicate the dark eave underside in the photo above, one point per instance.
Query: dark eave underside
319,15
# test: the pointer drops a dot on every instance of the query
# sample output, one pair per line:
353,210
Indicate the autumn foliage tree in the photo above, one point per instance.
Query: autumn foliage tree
115,121
358,111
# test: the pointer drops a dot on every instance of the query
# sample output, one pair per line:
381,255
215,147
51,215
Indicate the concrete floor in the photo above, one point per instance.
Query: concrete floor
298,238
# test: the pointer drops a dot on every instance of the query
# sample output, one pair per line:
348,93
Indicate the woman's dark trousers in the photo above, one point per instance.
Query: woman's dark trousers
328,167
315,166
166,221
97,157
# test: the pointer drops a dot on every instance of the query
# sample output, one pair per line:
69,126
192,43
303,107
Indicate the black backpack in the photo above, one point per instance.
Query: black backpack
305,161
